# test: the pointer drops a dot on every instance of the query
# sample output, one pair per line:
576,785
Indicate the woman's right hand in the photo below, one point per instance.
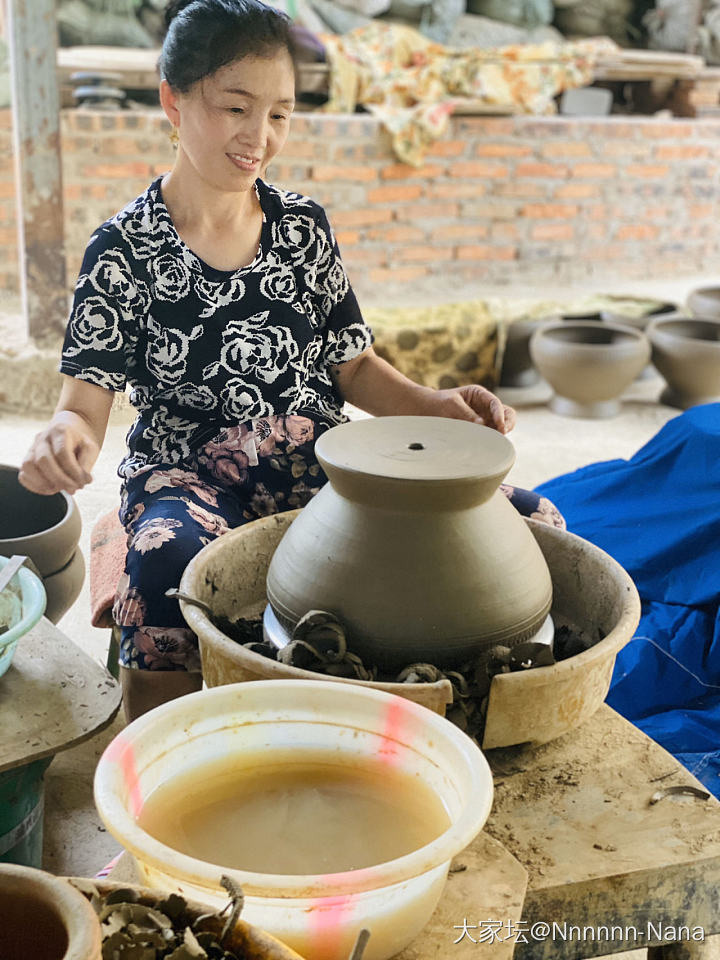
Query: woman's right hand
61,456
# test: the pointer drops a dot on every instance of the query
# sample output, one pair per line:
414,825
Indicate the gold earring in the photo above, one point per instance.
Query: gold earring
174,137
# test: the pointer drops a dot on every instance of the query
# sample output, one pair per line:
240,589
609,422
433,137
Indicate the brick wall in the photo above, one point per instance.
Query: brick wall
500,200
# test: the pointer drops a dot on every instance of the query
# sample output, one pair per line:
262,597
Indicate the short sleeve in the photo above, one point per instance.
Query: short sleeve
346,333
107,299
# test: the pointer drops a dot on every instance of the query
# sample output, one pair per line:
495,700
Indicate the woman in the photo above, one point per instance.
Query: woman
222,301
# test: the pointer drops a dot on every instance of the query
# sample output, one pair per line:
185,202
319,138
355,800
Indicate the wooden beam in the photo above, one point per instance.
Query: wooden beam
32,41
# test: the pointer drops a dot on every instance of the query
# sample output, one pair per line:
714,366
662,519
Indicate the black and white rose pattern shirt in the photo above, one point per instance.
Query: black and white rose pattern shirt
203,349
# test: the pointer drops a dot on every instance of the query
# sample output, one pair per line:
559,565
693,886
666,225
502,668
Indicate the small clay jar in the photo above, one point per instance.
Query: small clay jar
46,529
588,365
45,918
412,545
704,302
686,351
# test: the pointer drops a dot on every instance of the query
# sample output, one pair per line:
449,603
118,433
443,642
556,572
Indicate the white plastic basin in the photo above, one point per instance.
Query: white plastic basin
320,916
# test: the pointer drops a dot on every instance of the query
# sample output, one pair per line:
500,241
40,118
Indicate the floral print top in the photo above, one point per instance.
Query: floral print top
204,350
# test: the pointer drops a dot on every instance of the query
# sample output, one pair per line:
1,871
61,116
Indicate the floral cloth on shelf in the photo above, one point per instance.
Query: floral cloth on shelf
413,84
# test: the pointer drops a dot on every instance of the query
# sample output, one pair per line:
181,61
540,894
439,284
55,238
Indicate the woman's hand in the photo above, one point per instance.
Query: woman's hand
370,383
60,457
63,454
475,403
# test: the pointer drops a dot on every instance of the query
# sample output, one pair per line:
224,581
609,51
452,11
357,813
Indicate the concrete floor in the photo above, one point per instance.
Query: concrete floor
547,445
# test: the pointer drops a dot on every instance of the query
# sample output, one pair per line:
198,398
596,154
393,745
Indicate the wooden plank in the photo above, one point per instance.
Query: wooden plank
36,141
53,697
577,815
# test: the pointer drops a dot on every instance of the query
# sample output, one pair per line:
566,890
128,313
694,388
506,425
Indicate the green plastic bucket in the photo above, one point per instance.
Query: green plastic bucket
22,798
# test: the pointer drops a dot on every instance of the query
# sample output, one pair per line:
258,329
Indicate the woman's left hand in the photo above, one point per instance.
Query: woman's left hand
475,403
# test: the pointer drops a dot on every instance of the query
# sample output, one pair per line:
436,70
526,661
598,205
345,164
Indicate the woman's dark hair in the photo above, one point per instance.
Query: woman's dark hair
204,35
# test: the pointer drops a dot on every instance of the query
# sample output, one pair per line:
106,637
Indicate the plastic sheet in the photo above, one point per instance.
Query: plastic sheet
658,514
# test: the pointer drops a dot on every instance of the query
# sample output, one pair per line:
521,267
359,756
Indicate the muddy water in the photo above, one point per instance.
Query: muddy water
295,816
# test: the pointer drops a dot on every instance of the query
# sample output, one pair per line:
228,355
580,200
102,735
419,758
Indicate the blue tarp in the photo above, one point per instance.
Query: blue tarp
658,514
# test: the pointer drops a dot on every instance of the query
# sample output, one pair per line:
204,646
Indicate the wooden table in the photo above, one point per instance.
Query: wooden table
53,697
576,813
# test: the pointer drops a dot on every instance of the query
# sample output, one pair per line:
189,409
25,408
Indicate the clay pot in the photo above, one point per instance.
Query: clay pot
412,545
517,366
591,593
705,302
45,918
640,321
46,529
588,365
245,939
686,351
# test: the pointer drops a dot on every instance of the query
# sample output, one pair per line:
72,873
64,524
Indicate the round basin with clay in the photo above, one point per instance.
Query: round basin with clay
588,364
686,351
591,593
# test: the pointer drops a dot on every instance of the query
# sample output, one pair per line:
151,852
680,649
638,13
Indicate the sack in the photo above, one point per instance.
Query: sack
522,13
596,18
671,25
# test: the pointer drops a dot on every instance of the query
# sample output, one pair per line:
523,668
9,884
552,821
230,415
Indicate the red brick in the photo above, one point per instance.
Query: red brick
447,148
394,193
637,231
363,174
430,211
546,211
455,191
405,171
8,235
365,255
429,253
647,170
7,188
504,231
460,231
360,218
519,188
347,237
485,252
117,171
502,150
700,211
665,131
553,231
597,212
488,171
566,148
5,119
397,274
577,191
681,151
550,170
399,234
594,171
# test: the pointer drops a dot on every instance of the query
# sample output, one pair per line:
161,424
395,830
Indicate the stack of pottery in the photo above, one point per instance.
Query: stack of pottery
47,530
588,364
412,545
686,351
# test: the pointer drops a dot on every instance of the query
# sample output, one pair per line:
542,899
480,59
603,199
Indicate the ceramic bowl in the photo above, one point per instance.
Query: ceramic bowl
588,365
686,351
705,302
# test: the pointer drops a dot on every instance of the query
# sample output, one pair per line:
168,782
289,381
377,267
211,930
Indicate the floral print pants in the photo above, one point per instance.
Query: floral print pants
170,513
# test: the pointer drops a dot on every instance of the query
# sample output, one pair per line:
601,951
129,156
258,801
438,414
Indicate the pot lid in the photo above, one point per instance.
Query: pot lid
416,448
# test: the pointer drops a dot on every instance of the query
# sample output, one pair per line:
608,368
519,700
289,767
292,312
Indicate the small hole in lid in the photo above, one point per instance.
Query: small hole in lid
415,446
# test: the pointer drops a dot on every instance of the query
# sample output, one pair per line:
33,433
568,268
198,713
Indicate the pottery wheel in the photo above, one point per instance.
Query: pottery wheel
417,448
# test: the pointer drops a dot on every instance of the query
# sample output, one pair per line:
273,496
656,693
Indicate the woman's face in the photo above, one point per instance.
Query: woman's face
233,123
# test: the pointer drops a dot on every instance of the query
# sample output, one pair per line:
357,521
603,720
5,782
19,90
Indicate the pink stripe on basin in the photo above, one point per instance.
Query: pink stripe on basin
120,751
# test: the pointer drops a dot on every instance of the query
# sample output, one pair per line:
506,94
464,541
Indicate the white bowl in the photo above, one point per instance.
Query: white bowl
320,916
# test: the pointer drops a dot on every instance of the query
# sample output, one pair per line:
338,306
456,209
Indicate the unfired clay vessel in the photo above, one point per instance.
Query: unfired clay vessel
686,351
45,918
46,529
517,366
705,302
412,545
591,593
588,364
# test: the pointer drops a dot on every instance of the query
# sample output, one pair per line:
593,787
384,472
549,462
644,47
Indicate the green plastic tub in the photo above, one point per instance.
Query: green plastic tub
22,800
